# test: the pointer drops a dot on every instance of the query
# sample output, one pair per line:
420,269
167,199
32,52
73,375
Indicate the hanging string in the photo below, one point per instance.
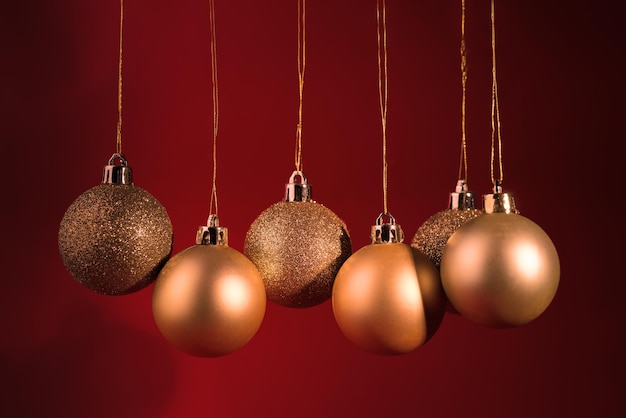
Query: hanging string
118,145
381,26
301,68
495,110
463,158
215,92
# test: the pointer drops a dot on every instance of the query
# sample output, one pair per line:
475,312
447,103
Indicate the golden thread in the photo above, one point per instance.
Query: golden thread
381,23
301,68
463,158
118,145
495,108
215,92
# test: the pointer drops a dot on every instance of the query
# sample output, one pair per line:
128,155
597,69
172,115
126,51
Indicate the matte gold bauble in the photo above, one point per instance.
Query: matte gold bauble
500,269
208,300
115,237
298,247
387,298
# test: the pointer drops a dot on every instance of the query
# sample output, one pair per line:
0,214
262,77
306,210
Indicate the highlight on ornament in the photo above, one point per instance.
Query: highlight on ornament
209,300
387,298
115,237
298,246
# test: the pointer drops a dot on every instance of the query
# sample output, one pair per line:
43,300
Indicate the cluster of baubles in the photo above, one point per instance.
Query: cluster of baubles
493,266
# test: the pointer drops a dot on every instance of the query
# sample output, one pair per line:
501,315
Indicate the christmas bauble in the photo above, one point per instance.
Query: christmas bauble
500,269
209,299
298,247
115,237
432,235
387,298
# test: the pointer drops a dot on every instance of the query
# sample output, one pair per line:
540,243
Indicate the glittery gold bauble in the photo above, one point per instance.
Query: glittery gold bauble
115,238
432,236
500,270
387,298
298,247
208,300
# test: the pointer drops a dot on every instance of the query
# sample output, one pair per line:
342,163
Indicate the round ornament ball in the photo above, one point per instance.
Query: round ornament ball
209,300
115,238
387,298
500,269
298,246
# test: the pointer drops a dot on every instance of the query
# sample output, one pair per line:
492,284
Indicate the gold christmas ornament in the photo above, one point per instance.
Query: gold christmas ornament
298,246
432,235
500,269
115,237
387,298
209,300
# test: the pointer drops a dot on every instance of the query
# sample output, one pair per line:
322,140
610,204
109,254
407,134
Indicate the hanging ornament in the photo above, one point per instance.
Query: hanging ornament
387,298
115,237
499,269
432,235
298,246
209,299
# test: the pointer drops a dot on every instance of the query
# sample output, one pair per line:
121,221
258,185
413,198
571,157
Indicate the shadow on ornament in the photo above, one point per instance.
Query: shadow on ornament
91,368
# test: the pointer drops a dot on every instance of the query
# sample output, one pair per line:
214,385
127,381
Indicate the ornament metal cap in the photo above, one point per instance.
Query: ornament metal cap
498,201
298,192
386,233
461,198
212,233
117,174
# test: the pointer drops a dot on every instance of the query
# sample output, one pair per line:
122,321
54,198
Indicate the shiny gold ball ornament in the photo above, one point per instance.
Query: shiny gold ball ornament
387,298
432,235
298,246
209,300
500,269
115,238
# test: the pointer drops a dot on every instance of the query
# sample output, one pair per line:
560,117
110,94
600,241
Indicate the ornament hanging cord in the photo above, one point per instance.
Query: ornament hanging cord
118,145
301,68
381,25
215,92
495,111
463,158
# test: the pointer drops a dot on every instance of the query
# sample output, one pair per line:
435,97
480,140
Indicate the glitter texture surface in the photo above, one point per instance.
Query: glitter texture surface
298,247
114,239
432,236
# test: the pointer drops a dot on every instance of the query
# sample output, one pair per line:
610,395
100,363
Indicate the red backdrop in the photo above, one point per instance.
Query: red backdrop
67,352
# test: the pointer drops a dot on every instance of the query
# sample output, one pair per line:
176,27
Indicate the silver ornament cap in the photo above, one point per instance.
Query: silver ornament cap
462,198
298,189
212,233
117,174
386,232
498,201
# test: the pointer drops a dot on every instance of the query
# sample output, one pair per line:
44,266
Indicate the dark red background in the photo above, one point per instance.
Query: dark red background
67,352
